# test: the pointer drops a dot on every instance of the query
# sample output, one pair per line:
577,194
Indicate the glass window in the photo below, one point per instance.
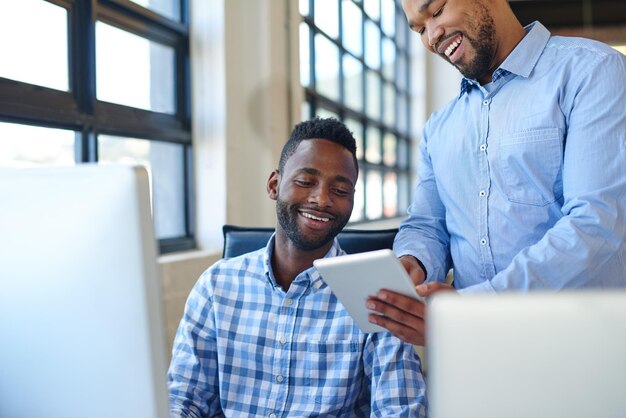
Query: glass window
372,45
359,201
34,43
372,151
352,36
129,79
390,195
168,8
372,8
139,75
29,146
374,195
326,67
373,95
305,62
165,165
362,77
353,82
327,17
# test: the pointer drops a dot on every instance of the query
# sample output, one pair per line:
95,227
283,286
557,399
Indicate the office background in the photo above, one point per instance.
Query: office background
238,76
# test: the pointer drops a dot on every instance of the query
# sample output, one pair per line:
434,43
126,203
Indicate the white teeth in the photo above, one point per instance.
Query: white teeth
451,48
315,218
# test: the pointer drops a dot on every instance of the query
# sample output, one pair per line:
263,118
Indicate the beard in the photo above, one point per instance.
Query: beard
484,44
287,216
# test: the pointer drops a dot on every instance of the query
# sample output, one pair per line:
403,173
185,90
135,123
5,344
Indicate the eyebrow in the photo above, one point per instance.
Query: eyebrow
315,172
425,6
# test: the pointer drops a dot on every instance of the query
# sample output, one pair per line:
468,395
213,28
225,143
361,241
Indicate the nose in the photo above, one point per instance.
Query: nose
321,196
434,33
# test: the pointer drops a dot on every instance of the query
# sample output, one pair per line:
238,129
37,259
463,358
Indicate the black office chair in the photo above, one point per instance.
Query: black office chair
239,240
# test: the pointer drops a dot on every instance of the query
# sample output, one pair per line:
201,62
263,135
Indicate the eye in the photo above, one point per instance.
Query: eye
420,31
438,12
303,183
340,192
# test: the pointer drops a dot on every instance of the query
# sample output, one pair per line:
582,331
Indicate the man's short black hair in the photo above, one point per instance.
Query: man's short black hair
330,129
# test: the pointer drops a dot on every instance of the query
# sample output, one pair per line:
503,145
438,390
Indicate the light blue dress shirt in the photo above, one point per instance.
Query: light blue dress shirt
522,185
245,347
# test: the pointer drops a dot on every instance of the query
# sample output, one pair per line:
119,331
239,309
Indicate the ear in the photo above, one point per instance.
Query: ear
272,185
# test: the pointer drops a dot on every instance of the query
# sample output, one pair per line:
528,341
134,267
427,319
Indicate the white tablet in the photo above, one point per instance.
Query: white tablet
355,277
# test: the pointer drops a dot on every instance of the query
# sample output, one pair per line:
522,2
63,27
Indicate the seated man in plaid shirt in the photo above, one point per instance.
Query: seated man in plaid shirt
262,334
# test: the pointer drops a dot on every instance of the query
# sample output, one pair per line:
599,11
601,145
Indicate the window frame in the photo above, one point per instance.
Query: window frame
316,101
79,110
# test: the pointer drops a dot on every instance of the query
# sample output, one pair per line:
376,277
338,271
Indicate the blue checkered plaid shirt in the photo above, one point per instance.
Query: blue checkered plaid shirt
245,347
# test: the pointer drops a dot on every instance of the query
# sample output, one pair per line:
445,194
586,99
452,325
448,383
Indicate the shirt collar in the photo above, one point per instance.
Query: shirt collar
311,273
522,59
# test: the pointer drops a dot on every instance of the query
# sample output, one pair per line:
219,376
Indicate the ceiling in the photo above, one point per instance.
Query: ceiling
571,13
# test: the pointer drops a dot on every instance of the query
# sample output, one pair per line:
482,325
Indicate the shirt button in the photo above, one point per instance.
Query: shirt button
283,340
288,302
483,147
483,241
485,102
482,193
272,415
279,378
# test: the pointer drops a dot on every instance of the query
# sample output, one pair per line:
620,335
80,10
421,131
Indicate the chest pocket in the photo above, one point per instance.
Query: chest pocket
530,165
333,369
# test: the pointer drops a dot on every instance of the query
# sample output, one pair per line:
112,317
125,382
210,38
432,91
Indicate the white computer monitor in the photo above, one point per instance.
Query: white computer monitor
540,355
81,321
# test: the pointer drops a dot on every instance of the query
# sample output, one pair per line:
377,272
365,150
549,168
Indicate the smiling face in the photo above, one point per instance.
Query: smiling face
314,193
463,32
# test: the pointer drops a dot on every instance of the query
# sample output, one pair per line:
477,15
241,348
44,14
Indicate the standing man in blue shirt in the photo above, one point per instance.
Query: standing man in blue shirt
263,335
522,177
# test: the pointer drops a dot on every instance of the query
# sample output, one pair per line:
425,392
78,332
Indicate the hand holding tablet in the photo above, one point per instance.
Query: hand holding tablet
355,277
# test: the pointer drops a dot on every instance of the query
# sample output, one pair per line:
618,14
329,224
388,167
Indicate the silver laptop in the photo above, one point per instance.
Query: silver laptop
540,355
80,302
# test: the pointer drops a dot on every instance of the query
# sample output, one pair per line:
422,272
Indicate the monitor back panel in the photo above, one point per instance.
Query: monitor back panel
540,355
80,303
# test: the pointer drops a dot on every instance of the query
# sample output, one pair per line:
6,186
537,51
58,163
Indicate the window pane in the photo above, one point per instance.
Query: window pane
372,8
404,193
374,204
373,95
353,82
325,113
141,74
372,153
359,200
327,17
357,131
389,108
403,155
29,146
167,8
352,29
389,58
403,121
305,111
388,17
326,67
372,45
305,63
390,144
401,34
402,72
164,162
34,43
304,7
390,197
